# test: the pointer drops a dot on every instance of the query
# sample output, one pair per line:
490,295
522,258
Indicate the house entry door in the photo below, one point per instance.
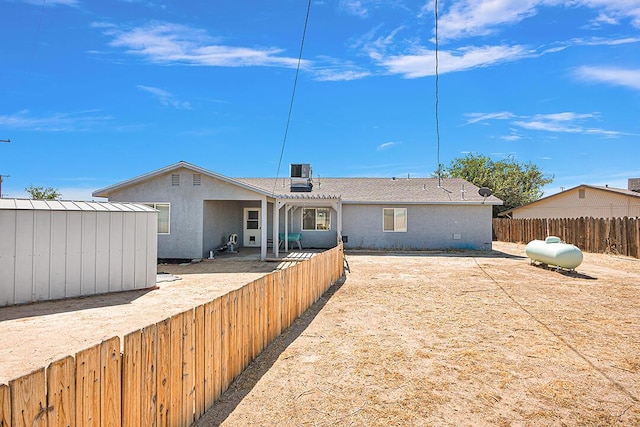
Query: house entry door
252,231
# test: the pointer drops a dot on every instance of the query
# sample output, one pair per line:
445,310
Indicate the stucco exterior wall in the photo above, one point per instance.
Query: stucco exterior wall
595,203
321,239
428,227
187,201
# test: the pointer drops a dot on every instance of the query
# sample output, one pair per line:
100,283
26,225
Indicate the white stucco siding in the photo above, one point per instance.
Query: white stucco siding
428,227
582,202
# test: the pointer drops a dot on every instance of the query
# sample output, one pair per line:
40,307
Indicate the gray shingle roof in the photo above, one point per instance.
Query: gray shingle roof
380,190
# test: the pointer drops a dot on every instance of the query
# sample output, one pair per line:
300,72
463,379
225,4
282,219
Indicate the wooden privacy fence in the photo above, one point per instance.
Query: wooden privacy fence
599,235
169,373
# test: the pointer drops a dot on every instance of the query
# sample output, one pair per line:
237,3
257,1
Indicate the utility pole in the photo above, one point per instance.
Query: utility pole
3,176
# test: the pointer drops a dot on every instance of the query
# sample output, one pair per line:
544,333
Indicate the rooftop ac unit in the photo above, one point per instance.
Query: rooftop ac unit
301,177
300,170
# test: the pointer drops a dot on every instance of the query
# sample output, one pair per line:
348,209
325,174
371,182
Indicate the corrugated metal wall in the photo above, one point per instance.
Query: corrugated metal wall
61,250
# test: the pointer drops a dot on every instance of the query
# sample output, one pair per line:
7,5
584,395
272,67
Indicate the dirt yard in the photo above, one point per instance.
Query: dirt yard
454,340
34,335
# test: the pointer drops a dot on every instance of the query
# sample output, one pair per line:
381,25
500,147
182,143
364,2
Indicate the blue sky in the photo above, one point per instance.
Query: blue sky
96,92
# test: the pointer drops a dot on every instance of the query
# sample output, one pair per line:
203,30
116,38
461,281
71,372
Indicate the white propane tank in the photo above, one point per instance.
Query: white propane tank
553,251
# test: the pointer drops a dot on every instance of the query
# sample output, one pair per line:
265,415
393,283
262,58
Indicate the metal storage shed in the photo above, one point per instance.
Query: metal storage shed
60,249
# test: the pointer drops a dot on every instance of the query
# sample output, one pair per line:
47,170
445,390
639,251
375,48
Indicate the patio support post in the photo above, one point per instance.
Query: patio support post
276,225
339,231
263,231
286,228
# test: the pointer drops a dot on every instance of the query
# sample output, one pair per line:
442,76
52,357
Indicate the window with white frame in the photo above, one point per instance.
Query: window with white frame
316,219
394,219
163,216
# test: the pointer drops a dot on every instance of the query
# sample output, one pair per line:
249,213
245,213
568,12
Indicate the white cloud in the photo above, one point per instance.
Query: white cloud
479,117
564,122
422,63
166,43
629,78
354,7
166,98
55,122
386,145
466,18
567,122
72,3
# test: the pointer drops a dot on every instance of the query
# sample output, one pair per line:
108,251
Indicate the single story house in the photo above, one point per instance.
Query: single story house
199,210
584,201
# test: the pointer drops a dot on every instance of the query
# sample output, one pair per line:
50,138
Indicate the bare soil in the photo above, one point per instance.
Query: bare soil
455,339
433,339
34,335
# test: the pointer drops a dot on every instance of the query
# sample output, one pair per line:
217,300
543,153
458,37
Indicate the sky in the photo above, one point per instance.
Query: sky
93,93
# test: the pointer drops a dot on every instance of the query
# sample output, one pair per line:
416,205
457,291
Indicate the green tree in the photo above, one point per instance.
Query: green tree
41,193
516,184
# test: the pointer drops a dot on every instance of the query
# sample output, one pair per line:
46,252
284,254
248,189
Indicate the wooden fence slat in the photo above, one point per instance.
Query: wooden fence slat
216,327
225,308
207,350
199,367
175,371
111,383
29,400
188,373
163,387
5,406
88,387
149,376
61,390
132,379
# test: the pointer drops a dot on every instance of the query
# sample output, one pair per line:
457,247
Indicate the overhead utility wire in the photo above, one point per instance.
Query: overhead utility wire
293,94
437,95
35,43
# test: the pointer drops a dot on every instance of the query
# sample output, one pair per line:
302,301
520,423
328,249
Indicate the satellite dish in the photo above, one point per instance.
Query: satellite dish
485,192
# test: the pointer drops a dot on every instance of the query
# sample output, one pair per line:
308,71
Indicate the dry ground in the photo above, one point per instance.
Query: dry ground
34,335
454,340
459,339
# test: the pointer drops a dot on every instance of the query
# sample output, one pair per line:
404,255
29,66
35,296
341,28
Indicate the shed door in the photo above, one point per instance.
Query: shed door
252,232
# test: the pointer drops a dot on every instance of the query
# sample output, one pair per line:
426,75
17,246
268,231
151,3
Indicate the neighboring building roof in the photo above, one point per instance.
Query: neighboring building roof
613,190
67,205
349,190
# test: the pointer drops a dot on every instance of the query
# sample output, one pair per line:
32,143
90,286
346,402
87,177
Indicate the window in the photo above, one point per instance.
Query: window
316,219
163,216
394,219
175,180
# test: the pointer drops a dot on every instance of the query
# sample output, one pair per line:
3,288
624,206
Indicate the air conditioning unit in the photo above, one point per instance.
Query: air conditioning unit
301,177
300,170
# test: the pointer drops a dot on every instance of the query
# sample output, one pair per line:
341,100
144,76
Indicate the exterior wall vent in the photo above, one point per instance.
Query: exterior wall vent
301,177
197,179
634,184
175,180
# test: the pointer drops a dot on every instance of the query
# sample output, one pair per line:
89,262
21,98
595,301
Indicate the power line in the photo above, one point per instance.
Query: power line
35,44
437,94
293,93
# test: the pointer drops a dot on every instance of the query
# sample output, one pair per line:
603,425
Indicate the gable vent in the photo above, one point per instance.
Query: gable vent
197,178
175,180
